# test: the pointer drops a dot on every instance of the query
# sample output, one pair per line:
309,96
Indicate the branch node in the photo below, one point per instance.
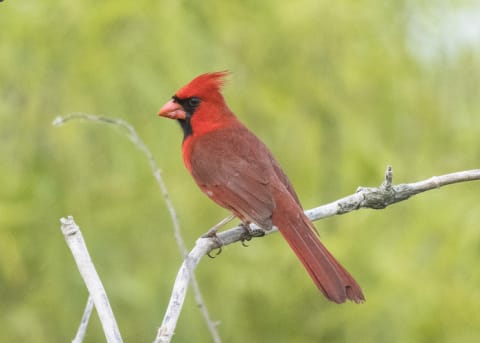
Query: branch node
69,227
387,184
435,181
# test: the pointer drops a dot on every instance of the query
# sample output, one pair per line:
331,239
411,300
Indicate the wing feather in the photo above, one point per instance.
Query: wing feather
234,168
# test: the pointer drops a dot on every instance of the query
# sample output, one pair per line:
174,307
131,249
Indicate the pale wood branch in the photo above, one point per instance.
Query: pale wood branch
82,328
365,197
137,141
77,246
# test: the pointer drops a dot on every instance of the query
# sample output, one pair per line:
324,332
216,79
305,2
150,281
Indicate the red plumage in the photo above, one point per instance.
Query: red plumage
237,171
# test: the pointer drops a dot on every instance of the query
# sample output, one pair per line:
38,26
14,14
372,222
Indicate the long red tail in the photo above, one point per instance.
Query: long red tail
330,277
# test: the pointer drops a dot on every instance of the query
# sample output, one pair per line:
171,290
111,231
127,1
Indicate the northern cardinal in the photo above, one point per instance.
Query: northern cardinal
237,171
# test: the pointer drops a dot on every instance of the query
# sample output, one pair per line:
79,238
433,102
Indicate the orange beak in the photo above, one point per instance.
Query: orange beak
172,110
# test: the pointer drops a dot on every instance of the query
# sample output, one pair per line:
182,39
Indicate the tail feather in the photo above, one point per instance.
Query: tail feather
330,277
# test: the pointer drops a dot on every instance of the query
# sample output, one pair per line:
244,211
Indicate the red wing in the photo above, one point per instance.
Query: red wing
284,180
234,168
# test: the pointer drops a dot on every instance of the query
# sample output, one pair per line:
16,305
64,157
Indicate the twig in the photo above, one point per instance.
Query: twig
388,194
166,331
75,242
365,197
135,138
82,328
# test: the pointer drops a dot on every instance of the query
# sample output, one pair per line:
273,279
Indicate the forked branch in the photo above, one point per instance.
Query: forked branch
365,197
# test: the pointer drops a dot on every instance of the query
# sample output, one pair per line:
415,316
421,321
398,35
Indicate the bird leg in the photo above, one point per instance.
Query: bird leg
212,233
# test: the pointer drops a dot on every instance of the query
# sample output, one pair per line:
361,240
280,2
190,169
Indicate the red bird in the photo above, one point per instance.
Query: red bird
237,171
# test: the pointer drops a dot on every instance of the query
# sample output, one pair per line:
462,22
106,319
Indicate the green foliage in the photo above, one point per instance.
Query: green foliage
334,88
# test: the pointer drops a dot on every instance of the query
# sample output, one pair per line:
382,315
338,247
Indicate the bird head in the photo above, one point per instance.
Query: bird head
199,106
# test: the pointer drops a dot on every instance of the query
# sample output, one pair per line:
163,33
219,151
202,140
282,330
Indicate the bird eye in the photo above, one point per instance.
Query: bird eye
193,102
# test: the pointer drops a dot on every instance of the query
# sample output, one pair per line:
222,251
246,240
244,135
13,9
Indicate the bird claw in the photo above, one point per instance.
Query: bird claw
250,233
212,234
219,251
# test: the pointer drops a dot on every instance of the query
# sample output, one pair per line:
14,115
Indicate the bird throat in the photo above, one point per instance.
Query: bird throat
186,126
189,107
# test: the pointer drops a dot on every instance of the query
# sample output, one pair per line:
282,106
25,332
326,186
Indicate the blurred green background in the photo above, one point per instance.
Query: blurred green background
338,90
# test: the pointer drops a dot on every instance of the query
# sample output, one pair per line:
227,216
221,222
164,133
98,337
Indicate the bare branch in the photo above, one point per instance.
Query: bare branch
166,331
388,194
135,138
365,197
82,328
75,242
